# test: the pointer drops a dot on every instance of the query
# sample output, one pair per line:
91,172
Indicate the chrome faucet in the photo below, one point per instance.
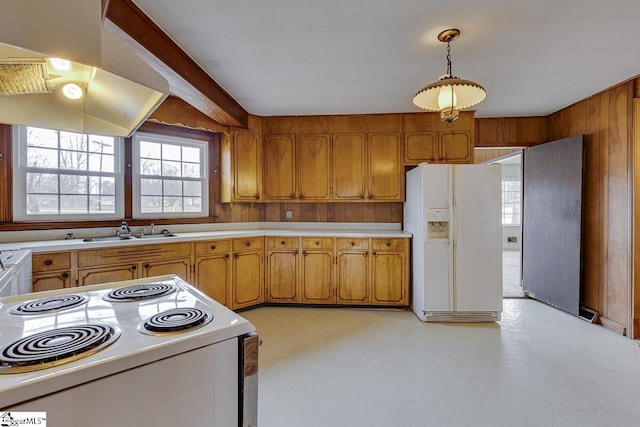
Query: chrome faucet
125,227
153,228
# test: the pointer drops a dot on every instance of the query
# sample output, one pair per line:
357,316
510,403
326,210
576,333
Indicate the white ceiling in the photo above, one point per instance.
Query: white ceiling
298,57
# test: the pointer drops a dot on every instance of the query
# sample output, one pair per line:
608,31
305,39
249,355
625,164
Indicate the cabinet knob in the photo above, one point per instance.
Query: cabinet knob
371,196
282,242
301,197
375,253
353,243
147,266
64,275
257,196
293,196
317,243
295,252
366,254
133,268
304,252
213,247
388,244
247,244
48,262
226,256
362,196
236,255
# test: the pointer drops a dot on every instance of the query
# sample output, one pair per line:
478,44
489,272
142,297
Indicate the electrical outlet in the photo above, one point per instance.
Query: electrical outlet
288,214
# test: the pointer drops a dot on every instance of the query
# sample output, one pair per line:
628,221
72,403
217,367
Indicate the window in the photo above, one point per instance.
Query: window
511,202
64,175
169,176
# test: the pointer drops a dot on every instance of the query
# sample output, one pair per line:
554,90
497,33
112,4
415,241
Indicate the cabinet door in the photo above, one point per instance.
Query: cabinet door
387,278
212,277
420,147
280,167
282,276
353,277
456,147
349,167
179,267
314,167
246,166
50,281
316,277
114,273
385,168
248,282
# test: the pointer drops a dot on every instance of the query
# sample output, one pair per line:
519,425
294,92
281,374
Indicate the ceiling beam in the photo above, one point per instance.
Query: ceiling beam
186,79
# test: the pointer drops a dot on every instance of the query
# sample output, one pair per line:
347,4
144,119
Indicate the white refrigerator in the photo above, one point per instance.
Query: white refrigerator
454,214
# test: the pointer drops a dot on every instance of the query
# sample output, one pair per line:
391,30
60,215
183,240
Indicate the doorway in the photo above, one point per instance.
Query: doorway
511,166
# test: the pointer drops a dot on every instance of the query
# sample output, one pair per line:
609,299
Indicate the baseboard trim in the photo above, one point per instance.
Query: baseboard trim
613,325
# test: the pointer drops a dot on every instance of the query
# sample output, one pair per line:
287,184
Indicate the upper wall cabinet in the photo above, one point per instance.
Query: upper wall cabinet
427,139
241,163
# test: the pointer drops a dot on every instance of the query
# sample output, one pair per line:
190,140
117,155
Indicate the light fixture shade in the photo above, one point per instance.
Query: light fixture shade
465,92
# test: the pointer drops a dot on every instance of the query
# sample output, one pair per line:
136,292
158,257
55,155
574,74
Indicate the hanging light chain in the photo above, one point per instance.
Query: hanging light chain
449,59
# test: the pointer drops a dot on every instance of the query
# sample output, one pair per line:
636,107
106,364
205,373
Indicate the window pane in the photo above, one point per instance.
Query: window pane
172,204
192,188
42,205
73,184
101,144
150,204
42,183
42,137
191,154
73,141
191,170
170,168
192,204
171,152
149,187
101,163
102,185
150,150
102,204
73,204
42,158
74,160
172,187
150,167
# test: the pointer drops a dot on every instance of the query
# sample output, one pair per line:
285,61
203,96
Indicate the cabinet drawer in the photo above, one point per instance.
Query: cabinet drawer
389,244
133,253
346,244
317,243
51,261
212,247
282,242
247,244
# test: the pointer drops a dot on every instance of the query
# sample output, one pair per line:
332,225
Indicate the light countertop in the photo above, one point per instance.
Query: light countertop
210,232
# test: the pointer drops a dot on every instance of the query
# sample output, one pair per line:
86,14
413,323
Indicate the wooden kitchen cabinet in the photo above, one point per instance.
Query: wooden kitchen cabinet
282,269
280,181
390,271
352,271
247,287
427,139
317,272
132,262
349,166
52,270
213,269
241,164
386,171
314,167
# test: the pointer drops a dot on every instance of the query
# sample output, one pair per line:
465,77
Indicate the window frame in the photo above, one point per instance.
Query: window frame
19,186
136,177
517,202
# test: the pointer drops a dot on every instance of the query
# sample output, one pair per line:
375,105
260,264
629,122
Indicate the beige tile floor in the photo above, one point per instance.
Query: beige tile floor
538,366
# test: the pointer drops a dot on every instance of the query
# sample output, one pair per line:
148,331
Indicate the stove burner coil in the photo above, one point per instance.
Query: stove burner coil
49,304
140,292
55,347
174,320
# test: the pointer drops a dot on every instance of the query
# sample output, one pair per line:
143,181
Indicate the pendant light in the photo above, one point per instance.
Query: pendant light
449,94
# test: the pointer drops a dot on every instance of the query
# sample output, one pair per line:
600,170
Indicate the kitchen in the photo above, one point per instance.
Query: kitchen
610,287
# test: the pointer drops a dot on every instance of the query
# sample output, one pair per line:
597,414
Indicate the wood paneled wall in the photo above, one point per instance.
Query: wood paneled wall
604,119
482,155
5,173
510,131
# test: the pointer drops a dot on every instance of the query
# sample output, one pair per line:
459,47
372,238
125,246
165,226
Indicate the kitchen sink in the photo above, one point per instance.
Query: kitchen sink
107,238
118,238
156,236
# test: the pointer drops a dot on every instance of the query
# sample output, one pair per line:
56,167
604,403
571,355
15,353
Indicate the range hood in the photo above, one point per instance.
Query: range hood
119,90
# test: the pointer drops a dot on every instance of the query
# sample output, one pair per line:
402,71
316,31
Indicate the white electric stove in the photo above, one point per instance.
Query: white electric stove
152,351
